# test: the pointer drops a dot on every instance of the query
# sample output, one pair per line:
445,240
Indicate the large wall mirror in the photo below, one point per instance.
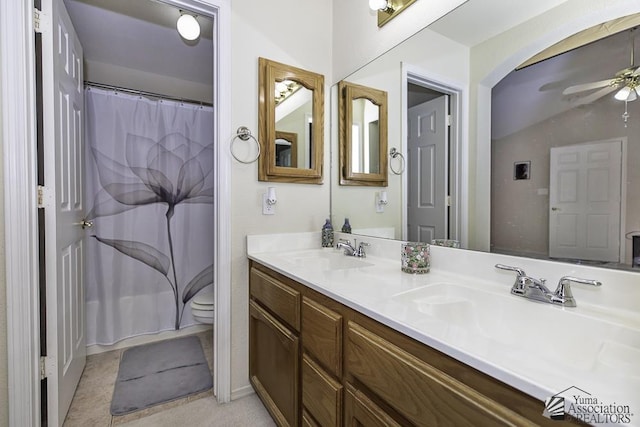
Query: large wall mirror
291,123
529,118
363,135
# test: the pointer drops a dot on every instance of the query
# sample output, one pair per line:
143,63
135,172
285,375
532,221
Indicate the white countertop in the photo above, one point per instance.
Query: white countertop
463,308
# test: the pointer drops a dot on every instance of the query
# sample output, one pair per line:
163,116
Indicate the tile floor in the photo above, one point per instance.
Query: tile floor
92,400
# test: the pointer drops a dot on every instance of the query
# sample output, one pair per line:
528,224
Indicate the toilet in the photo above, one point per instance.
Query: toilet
202,306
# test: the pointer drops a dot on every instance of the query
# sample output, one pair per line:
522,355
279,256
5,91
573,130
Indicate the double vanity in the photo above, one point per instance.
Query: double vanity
342,340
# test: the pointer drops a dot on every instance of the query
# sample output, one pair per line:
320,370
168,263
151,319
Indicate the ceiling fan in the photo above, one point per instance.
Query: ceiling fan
626,81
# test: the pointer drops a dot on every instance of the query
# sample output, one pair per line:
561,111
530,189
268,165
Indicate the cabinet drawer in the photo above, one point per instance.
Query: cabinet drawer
321,394
418,391
322,335
359,410
307,420
282,300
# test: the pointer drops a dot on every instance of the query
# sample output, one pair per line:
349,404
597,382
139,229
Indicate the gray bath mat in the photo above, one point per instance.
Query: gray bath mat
160,372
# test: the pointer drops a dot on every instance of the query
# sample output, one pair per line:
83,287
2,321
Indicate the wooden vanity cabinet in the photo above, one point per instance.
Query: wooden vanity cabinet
315,362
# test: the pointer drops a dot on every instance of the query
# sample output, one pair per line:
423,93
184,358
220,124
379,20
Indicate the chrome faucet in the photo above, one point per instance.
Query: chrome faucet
535,289
355,250
346,245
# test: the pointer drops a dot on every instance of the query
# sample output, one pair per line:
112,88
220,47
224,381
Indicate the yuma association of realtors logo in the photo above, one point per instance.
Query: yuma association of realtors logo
585,407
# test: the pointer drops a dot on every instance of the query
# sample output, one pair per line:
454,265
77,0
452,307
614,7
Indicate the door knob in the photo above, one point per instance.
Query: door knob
85,224
556,209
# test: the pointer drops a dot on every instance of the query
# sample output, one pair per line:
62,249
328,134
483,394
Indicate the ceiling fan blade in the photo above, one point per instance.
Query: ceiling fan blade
595,96
587,86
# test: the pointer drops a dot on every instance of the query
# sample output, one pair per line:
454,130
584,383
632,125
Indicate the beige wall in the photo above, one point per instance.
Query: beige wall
301,39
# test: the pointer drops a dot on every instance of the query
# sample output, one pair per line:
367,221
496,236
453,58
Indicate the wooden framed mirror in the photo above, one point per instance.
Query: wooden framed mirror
363,135
291,123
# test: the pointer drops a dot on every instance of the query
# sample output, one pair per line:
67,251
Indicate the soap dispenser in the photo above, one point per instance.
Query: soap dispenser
346,227
327,234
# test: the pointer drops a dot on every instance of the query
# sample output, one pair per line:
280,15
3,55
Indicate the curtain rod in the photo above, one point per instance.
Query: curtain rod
144,93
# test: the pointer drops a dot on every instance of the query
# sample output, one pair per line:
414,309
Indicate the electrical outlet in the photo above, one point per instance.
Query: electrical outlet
379,206
267,209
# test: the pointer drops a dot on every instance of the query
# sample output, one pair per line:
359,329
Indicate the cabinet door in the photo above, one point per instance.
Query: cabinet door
322,335
360,411
273,365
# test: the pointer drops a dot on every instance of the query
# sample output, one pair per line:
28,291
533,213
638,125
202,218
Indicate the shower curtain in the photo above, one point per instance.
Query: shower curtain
149,193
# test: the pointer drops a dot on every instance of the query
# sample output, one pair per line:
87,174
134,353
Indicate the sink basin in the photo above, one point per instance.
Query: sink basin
327,260
564,338
450,303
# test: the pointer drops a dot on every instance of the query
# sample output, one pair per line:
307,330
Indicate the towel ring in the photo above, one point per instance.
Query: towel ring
395,153
244,134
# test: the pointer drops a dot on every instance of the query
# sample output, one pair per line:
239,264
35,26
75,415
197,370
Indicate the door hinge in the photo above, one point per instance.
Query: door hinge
39,21
40,199
43,196
449,120
448,200
47,364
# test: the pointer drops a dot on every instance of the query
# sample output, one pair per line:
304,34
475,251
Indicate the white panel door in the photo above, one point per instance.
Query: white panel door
63,207
584,201
427,166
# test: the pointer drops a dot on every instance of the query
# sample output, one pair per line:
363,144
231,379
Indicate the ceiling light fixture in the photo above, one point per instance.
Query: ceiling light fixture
623,93
188,27
631,80
625,82
388,9
627,93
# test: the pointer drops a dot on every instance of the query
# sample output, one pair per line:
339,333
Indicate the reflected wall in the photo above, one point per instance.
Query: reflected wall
428,54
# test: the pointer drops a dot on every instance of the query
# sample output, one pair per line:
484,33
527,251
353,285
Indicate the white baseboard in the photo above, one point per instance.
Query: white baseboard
146,339
241,392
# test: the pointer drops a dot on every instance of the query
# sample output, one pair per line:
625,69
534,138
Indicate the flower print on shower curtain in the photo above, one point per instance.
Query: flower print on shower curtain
172,171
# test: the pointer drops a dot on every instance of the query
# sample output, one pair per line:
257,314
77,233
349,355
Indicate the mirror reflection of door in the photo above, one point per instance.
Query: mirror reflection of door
427,168
584,201
294,140
286,149
365,137
309,158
